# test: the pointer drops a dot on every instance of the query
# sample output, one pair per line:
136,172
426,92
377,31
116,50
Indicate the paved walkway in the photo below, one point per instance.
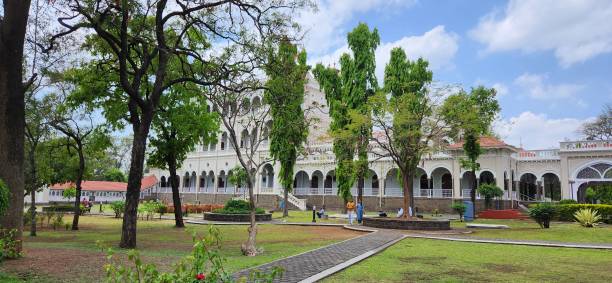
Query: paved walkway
320,263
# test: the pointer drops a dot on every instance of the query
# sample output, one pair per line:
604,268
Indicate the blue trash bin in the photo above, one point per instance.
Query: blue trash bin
469,212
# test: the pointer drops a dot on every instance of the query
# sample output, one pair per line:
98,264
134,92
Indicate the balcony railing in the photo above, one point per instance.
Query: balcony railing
549,154
586,145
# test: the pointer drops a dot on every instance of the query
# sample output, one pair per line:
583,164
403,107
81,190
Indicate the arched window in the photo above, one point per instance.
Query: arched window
314,182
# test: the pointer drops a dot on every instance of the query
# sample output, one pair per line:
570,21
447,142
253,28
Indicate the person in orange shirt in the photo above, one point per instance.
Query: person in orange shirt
350,210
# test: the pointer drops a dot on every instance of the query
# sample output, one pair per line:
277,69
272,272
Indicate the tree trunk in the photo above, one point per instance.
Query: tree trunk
12,111
33,209
130,217
407,185
286,205
360,184
249,247
473,195
79,183
176,197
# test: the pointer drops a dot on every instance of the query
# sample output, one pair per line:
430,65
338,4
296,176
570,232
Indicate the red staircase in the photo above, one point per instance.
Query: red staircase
502,214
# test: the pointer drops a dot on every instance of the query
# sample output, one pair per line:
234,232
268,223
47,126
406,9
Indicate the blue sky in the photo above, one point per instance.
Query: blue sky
551,61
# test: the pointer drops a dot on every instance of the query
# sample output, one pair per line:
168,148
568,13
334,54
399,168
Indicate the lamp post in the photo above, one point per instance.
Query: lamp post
314,208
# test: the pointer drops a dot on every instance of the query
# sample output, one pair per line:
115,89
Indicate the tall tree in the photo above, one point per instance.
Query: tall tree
470,116
347,90
286,71
601,128
13,22
37,131
363,43
132,43
82,135
405,113
181,123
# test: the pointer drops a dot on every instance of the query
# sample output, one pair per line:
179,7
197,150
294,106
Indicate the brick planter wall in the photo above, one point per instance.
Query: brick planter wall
236,217
395,223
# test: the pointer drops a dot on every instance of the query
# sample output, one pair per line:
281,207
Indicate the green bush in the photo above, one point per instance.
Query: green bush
237,206
542,214
9,247
59,208
460,208
565,212
489,191
4,197
205,264
567,201
587,217
118,207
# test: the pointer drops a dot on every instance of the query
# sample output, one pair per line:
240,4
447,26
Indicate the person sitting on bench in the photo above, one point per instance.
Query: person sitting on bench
321,212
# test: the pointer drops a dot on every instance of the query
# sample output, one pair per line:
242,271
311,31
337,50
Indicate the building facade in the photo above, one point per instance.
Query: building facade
527,175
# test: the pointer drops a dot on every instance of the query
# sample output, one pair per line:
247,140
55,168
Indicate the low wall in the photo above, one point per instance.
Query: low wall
404,224
236,217
332,202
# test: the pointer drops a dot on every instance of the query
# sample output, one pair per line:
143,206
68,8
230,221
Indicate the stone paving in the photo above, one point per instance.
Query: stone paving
305,265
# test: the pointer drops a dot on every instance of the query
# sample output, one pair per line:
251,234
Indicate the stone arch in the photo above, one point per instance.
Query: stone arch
256,103
244,138
487,177
267,176
597,169
162,182
528,187
551,186
467,183
301,182
329,184
192,181
202,181
442,179
392,183
210,181
221,181
316,182
224,141
186,179
371,184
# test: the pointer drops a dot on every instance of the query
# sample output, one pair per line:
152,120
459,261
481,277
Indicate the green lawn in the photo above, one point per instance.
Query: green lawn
306,217
529,230
421,260
55,254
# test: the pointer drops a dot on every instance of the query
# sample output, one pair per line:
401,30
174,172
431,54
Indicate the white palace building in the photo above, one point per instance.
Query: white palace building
524,175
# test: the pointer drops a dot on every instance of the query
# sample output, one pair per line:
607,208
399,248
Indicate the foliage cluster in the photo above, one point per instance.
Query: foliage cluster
542,213
587,217
9,246
195,208
4,197
567,201
489,192
565,212
460,208
205,264
238,206
147,209
118,208
601,193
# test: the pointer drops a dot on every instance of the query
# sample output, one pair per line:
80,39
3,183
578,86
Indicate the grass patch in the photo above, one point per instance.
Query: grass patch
296,216
529,230
421,260
72,256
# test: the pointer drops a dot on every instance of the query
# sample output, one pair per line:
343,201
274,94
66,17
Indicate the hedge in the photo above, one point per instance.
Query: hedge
195,208
565,212
59,208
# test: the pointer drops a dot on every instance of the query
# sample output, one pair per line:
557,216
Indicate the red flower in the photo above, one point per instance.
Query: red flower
201,276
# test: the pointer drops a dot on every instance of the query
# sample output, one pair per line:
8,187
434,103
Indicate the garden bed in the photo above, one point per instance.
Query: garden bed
406,224
226,217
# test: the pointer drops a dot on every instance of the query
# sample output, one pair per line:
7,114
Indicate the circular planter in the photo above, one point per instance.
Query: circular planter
406,224
236,217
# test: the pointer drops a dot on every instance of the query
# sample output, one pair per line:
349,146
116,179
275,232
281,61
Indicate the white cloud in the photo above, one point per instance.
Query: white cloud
436,45
324,26
537,88
576,30
537,131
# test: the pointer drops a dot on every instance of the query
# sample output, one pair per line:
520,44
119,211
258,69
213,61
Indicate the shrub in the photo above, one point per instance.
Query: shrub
118,208
489,191
567,201
565,212
69,193
205,264
59,208
58,221
9,246
460,208
238,206
542,214
587,217
4,197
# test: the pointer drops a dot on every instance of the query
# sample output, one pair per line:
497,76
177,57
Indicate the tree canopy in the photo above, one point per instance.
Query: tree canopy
286,71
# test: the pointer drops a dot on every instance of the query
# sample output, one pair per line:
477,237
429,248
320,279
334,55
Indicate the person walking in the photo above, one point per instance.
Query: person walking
350,210
359,212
